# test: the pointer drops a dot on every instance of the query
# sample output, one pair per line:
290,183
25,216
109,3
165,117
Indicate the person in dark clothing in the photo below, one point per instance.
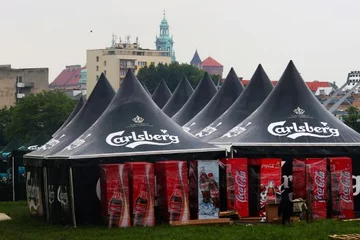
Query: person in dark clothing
285,207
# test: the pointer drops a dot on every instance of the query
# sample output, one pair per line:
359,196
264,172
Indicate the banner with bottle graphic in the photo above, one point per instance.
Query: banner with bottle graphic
35,191
142,193
341,187
172,185
237,185
316,186
298,179
208,189
115,207
59,198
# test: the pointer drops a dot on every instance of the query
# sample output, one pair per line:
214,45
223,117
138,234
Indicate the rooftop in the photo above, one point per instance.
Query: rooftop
70,76
210,62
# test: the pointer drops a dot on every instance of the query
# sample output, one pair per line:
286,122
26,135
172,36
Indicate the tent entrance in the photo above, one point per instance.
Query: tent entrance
254,190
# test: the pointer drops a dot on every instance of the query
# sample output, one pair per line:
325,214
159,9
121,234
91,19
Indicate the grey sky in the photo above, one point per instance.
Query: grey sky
321,36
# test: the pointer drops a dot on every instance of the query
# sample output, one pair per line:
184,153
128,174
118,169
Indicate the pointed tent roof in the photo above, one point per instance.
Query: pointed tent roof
146,89
203,93
161,94
13,145
196,60
132,125
76,109
291,116
37,141
223,99
249,100
181,94
210,62
99,99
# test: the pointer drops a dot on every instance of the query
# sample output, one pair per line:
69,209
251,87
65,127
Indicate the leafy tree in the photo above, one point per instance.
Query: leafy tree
5,120
353,118
172,74
44,111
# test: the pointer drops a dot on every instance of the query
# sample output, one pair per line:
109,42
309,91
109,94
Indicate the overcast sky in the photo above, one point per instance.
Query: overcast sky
321,36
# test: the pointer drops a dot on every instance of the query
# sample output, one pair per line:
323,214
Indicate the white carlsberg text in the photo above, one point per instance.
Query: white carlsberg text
132,140
294,130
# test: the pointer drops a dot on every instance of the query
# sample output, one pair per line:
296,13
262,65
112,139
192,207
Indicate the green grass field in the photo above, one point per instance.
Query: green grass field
24,227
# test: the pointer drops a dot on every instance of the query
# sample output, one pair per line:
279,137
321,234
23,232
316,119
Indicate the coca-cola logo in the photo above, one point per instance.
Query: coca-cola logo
345,181
132,140
295,131
268,165
241,184
320,183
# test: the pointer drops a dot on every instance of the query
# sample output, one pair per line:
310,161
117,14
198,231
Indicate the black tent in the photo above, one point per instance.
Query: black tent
132,128
73,113
161,94
146,89
203,93
17,164
99,99
292,121
181,94
5,169
249,100
223,99
37,174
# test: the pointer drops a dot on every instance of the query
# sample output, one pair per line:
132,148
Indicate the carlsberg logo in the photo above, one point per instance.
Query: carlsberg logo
294,130
132,140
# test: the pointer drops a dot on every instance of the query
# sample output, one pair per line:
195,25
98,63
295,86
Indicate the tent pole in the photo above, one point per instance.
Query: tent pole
72,197
13,176
231,152
46,194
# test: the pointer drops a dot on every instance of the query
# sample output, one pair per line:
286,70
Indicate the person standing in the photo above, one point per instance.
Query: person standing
285,207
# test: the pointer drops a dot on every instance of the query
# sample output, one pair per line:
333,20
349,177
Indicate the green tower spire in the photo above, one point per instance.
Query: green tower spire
165,42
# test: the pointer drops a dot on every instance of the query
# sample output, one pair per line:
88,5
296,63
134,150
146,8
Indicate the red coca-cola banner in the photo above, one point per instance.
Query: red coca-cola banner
270,182
316,176
341,187
142,193
237,185
114,182
172,185
299,180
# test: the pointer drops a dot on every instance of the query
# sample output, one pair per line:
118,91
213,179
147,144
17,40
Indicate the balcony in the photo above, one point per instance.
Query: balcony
25,84
20,95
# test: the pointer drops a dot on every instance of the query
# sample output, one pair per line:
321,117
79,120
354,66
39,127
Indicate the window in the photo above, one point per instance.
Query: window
97,68
168,49
19,79
97,77
142,64
97,58
105,72
123,72
104,63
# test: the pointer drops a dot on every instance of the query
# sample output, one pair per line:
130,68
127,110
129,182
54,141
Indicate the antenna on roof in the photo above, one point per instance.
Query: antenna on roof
164,13
113,42
128,39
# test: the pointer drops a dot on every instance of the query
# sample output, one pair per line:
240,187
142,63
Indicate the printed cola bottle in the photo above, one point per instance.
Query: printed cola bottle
141,207
204,186
115,210
175,204
231,189
214,190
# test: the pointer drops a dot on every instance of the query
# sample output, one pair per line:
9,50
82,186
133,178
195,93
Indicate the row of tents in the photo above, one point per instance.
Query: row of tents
205,123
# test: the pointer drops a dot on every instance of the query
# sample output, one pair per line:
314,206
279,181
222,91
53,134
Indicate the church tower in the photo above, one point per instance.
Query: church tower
165,42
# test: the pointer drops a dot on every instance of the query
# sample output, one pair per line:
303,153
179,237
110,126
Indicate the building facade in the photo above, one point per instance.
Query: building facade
209,65
16,84
116,60
165,42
